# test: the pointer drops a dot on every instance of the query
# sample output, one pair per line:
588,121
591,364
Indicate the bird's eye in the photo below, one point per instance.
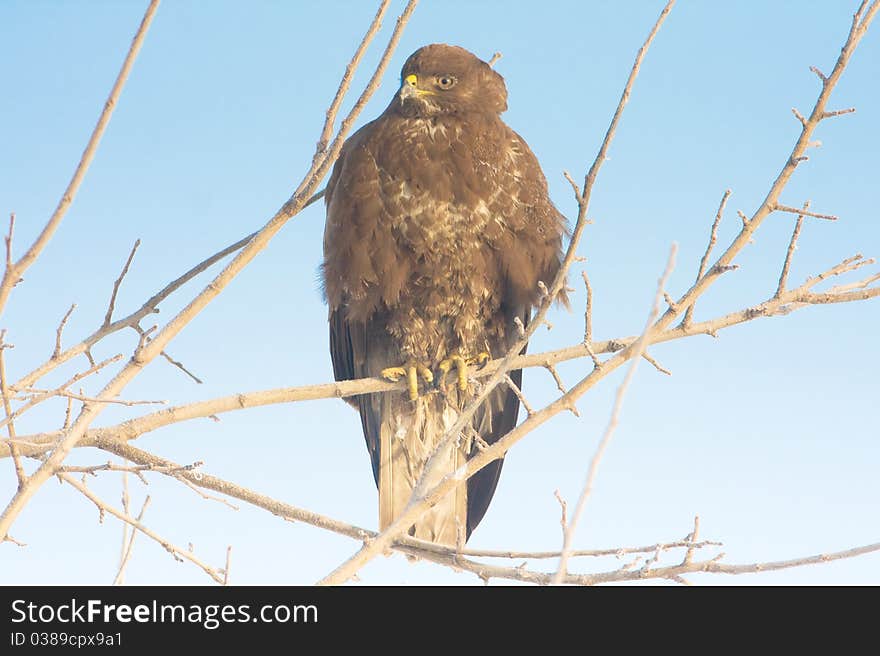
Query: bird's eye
445,81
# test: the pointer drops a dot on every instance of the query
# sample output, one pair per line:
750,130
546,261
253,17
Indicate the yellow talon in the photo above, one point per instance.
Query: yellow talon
412,373
394,373
460,364
425,373
480,359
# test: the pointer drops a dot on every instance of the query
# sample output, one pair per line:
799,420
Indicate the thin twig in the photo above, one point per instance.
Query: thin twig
10,426
518,393
574,187
4,389
556,378
803,212
588,311
210,497
42,394
838,112
129,547
8,240
847,265
657,365
126,509
792,244
145,338
713,238
563,515
67,413
227,566
692,538
109,315
60,330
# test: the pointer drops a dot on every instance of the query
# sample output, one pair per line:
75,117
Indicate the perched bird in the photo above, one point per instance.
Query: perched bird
439,229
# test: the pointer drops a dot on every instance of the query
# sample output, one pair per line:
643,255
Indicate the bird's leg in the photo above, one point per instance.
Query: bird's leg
460,364
412,371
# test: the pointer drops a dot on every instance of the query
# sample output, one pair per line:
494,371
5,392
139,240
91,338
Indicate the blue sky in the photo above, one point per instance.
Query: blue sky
769,433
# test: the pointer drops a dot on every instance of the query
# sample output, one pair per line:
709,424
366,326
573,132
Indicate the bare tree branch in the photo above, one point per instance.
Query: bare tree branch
460,560
857,31
170,547
149,351
786,303
38,396
150,306
345,84
638,351
14,272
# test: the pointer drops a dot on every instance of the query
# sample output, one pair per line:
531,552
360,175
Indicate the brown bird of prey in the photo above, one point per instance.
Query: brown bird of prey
439,230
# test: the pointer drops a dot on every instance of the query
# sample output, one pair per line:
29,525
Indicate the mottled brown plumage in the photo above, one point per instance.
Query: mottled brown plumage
439,228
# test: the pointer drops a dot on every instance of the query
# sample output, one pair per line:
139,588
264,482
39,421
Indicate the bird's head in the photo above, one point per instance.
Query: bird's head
443,79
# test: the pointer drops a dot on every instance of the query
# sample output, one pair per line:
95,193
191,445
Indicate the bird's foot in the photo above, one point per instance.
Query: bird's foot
460,363
412,371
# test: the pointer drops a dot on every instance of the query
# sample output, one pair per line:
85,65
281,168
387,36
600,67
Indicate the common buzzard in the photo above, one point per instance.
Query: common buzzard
439,229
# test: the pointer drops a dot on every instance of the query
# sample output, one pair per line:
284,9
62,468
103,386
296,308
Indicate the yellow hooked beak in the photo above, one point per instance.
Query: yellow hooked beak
410,87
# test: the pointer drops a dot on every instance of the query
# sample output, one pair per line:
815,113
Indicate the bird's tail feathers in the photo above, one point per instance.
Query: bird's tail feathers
410,432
